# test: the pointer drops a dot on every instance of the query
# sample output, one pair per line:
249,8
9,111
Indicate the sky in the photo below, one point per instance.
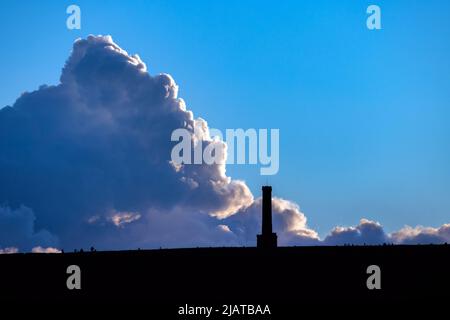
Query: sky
362,113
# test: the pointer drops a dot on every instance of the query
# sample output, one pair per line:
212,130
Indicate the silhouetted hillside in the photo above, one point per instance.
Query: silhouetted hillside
231,275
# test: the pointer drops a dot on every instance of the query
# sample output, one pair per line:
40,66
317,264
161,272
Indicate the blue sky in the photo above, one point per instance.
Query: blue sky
363,115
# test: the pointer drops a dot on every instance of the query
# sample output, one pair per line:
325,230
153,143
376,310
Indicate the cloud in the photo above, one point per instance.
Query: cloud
288,221
87,162
99,142
119,219
9,250
17,229
39,249
366,232
419,234
372,233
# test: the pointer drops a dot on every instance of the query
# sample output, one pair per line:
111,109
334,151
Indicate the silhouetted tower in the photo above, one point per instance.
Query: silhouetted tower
267,239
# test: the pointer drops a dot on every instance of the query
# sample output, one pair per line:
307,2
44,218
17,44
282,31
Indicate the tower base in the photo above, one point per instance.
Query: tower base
266,240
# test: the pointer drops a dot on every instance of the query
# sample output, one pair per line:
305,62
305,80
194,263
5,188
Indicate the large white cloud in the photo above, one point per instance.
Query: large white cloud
99,142
90,158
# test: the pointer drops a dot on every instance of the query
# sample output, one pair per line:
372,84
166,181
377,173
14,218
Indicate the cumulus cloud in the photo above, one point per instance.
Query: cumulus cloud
288,221
9,250
372,233
87,162
17,229
39,249
366,232
99,142
119,219
419,234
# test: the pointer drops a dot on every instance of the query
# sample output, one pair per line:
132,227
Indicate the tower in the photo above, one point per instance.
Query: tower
267,238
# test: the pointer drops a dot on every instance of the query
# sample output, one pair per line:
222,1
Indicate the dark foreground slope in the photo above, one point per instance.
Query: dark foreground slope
231,275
